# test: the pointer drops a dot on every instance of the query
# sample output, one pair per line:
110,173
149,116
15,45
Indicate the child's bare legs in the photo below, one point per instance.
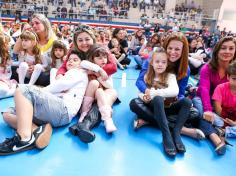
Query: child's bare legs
105,99
193,132
88,98
11,120
24,113
22,70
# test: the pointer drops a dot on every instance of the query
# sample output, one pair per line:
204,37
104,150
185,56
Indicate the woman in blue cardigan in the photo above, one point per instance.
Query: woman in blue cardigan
176,46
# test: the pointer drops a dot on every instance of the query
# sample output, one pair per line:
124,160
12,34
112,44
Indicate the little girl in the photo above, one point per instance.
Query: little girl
58,54
99,89
163,89
30,58
118,51
7,86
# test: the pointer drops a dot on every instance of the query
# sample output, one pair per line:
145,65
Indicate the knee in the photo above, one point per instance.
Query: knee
38,68
6,117
186,102
94,84
98,92
133,104
158,100
23,66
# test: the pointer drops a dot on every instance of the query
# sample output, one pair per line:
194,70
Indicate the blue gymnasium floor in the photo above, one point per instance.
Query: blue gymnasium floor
125,153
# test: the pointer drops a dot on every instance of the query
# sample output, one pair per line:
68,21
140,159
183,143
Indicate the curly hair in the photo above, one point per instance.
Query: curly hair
4,50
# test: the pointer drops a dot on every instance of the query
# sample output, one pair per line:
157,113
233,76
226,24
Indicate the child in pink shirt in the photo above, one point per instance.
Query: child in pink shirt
224,100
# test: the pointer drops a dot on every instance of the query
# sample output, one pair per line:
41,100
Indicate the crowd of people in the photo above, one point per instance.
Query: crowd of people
55,72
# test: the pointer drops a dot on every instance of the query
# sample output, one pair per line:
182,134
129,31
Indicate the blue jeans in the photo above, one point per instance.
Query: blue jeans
230,131
204,125
138,60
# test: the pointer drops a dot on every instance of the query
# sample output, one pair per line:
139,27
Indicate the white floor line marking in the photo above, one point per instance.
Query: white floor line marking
123,80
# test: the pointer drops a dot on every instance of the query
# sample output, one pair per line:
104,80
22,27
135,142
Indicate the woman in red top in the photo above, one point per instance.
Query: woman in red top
82,41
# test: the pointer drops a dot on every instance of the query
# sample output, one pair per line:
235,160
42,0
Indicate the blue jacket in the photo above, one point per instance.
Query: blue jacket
141,85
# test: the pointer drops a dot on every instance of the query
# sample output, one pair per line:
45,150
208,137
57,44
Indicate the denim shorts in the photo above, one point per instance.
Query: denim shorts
47,108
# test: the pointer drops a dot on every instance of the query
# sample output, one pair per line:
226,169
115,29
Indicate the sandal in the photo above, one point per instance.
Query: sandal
221,133
138,123
220,148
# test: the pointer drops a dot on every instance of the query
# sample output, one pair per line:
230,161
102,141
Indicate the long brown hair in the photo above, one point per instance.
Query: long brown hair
28,35
57,44
214,61
4,51
150,75
180,67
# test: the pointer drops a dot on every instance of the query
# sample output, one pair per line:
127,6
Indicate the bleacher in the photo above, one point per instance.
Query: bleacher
89,11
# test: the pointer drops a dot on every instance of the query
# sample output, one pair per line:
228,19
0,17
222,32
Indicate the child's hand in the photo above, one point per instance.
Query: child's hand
208,116
103,75
230,122
59,76
146,98
90,72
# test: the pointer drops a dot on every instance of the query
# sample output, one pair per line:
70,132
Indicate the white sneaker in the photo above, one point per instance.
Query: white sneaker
109,125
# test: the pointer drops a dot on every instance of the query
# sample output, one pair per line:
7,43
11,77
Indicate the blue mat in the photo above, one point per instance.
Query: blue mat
125,153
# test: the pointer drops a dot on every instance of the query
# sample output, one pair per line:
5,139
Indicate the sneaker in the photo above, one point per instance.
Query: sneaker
15,145
199,134
42,135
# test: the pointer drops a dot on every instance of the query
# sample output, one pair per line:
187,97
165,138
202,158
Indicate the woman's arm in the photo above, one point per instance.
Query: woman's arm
182,85
217,107
204,88
140,83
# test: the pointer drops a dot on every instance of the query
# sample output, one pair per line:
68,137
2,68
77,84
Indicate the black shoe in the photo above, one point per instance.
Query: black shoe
86,136
74,129
42,135
178,143
83,132
180,147
170,151
15,145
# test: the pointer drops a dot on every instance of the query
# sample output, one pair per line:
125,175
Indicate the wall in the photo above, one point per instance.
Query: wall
227,16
